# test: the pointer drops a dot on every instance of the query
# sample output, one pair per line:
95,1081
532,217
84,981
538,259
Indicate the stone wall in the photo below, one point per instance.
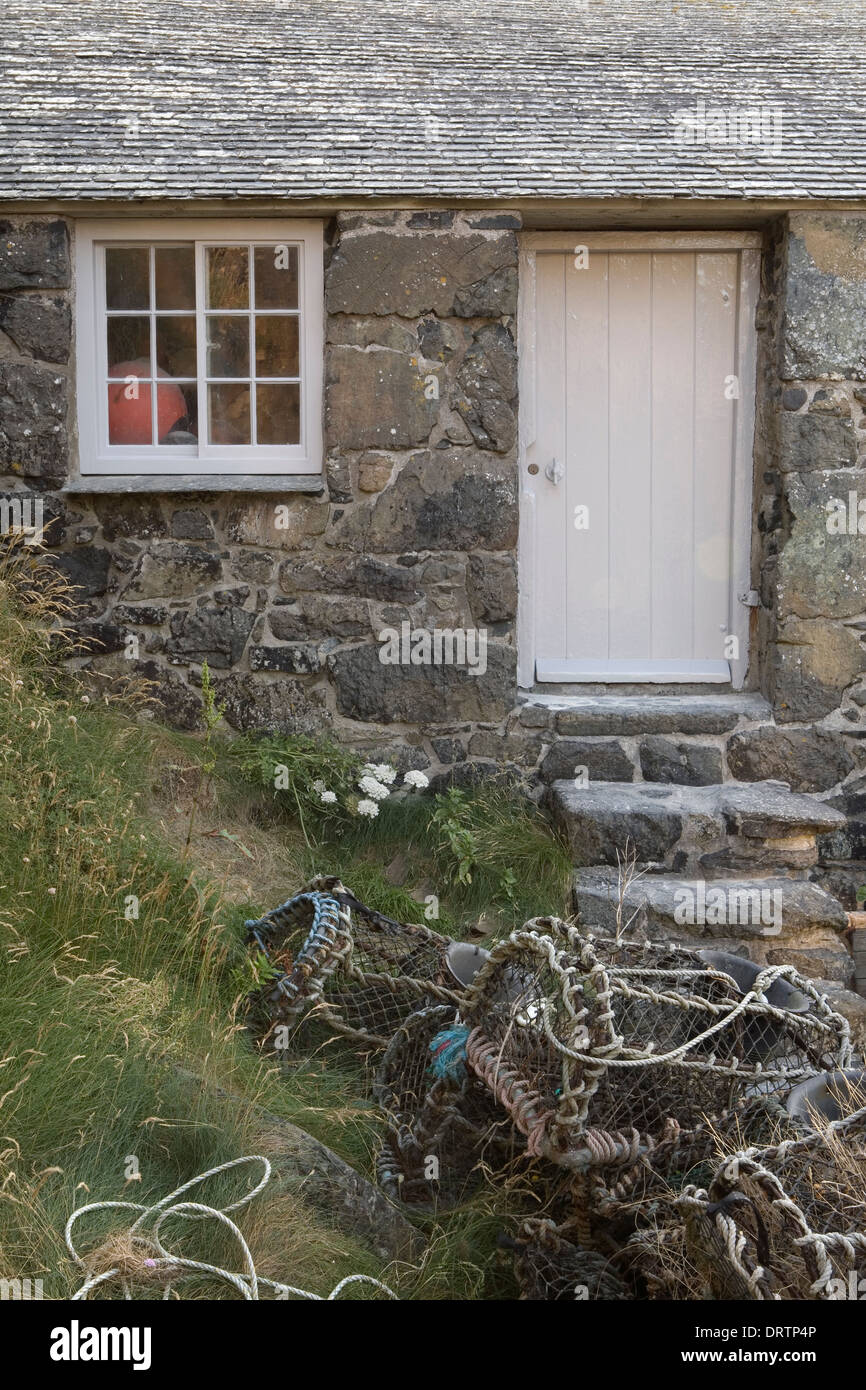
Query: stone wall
285,596
810,459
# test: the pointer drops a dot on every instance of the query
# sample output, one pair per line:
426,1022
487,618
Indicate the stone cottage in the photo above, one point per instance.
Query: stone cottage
484,381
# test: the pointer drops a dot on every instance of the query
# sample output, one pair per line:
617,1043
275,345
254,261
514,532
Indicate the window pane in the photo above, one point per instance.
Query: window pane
127,277
128,339
174,277
178,413
227,278
175,346
276,270
229,414
129,420
228,346
278,414
277,346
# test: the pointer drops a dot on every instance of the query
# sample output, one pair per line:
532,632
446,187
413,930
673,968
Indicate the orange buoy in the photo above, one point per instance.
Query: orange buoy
129,412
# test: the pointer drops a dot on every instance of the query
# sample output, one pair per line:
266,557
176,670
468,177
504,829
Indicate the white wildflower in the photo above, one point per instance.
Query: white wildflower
383,772
368,808
374,789
416,779
328,798
318,786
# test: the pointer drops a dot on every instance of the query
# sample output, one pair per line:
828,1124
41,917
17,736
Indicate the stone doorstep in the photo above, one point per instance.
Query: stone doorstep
632,715
595,894
740,819
810,934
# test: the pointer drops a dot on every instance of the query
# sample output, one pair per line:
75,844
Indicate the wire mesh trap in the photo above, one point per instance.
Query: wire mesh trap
612,1054
550,1266
785,1222
443,1123
347,965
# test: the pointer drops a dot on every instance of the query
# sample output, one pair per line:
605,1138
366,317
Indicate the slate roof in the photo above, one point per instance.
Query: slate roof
464,99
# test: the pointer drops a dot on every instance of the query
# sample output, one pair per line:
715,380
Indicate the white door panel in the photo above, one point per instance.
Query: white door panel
638,417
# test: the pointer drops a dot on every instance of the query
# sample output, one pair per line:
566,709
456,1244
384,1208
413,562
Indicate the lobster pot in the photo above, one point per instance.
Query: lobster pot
344,964
550,1266
442,1128
785,1222
606,1054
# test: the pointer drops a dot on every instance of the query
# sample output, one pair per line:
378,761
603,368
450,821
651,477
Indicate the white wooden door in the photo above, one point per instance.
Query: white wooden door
636,461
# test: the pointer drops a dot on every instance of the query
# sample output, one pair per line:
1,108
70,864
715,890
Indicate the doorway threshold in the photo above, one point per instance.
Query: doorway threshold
620,672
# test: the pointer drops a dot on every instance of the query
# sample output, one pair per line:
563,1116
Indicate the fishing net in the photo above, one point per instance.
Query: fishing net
343,963
443,1125
786,1221
609,1055
550,1266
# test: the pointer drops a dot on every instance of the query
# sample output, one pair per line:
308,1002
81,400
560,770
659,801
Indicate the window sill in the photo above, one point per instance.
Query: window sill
130,484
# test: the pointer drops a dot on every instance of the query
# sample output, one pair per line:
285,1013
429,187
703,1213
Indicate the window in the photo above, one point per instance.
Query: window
199,347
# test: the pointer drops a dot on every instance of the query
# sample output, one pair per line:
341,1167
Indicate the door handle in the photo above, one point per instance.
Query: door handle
554,471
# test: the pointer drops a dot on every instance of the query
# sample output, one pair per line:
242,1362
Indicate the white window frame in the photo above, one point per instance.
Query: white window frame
98,458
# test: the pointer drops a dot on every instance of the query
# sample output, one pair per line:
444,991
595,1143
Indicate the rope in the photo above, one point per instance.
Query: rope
357,970
147,1257
449,1053
522,1103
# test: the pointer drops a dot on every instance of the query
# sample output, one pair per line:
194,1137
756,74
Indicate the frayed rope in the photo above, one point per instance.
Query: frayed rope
449,1053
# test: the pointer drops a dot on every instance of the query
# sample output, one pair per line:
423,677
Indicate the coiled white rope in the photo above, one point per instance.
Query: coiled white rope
161,1264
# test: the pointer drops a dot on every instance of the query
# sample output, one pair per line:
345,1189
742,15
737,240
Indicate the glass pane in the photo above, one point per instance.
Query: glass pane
178,413
278,414
276,270
174,277
229,414
277,345
227,278
175,346
128,341
127,277
228,346
129,420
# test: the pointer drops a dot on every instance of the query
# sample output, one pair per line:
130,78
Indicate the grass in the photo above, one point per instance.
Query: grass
121,951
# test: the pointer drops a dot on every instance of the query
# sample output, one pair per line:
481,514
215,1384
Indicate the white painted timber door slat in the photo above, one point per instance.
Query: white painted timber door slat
551,613
587,445
629,488
633,460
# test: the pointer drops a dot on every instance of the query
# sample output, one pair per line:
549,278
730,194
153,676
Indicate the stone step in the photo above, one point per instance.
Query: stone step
681,739
708,831
671,907
626,716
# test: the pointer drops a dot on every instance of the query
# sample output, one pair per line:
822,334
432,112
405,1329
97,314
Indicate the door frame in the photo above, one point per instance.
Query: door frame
750,245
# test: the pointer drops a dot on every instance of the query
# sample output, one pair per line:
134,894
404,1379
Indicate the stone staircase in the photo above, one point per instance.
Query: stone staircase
731,862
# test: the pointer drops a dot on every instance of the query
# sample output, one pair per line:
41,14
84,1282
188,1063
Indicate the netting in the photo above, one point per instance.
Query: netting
784,1222
347,965
443,1124
608,1054
611,1074
550,1266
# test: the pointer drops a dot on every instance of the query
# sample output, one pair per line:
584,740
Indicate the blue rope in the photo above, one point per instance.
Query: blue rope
449,1053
